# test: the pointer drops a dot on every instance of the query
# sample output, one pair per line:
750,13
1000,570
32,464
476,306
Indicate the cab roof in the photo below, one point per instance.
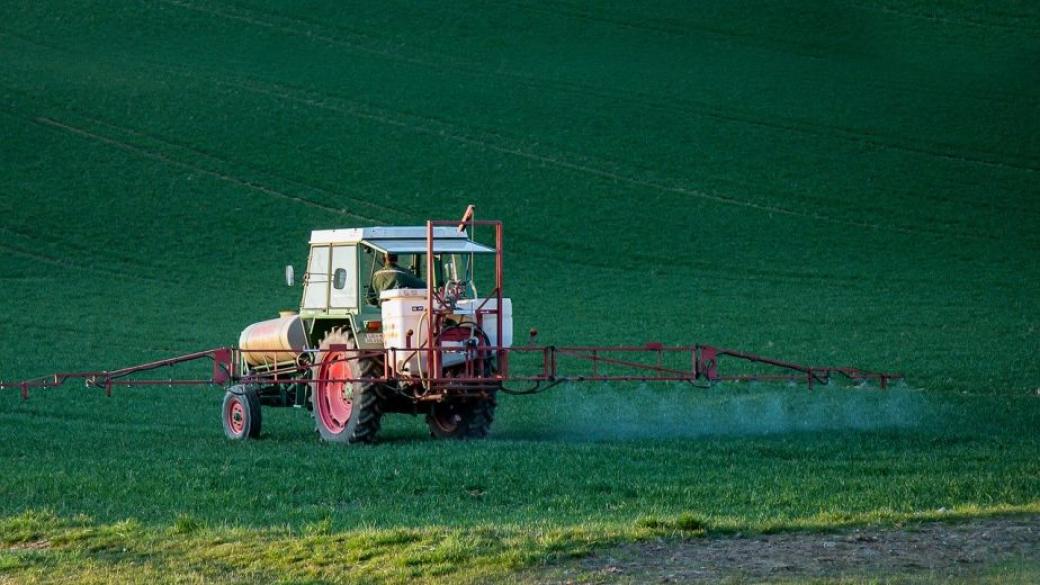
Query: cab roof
402,240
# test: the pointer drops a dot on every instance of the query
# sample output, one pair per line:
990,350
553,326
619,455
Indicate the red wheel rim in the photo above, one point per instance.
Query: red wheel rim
236,416
332,403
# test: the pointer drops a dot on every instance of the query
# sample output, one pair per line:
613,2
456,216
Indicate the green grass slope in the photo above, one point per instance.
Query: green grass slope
831,182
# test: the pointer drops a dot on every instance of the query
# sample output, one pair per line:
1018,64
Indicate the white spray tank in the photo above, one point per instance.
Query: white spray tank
404,310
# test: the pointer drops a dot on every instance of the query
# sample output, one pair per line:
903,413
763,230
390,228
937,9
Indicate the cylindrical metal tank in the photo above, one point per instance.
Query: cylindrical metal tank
281,340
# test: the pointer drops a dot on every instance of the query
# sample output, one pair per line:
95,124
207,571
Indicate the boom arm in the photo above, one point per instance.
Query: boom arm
651,362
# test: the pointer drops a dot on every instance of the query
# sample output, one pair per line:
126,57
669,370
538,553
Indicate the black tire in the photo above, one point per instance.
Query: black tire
240,413
456,419
345,412
464,419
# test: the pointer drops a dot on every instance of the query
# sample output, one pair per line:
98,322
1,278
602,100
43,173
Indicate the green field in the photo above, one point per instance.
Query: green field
831,182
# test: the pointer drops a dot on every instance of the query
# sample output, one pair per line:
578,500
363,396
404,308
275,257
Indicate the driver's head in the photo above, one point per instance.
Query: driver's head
390,259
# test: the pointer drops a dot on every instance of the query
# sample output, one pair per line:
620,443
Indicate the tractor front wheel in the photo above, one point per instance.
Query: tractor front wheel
462,420
470,418
241,413
344,412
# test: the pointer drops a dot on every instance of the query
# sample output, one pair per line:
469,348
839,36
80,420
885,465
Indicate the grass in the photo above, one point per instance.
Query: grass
143,466
128,552
840,183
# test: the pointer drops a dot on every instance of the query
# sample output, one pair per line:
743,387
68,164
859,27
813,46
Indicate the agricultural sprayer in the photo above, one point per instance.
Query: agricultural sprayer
391,320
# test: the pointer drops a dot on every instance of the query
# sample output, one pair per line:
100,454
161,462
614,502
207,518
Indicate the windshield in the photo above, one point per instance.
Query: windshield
376,276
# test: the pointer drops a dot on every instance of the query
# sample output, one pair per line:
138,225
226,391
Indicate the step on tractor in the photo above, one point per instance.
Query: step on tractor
414,320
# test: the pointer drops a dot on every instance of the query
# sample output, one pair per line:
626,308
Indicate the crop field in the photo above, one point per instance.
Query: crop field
835,182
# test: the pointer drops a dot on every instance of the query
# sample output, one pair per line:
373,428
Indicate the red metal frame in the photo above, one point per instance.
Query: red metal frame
703,366
435,317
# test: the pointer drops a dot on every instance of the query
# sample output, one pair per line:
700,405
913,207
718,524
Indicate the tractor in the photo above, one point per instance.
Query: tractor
353,353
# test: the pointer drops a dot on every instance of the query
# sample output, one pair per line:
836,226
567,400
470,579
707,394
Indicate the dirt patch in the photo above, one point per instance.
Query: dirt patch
31,545
934,549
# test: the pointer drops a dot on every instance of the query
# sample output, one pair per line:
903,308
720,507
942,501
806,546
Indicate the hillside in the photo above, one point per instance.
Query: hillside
829,182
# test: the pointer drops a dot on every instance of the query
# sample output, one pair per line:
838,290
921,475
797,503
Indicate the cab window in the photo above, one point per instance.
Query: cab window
344,291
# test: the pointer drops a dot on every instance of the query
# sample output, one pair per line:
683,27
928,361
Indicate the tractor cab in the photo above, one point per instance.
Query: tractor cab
340,282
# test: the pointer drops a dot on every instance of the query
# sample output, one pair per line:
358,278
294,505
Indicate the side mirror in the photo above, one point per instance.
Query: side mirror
290,275
339,278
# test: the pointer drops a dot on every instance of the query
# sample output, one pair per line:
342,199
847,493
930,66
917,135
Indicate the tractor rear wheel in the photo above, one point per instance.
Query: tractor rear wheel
241,413
344,412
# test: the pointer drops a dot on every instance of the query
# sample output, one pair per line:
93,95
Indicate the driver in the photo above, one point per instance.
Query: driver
391,276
